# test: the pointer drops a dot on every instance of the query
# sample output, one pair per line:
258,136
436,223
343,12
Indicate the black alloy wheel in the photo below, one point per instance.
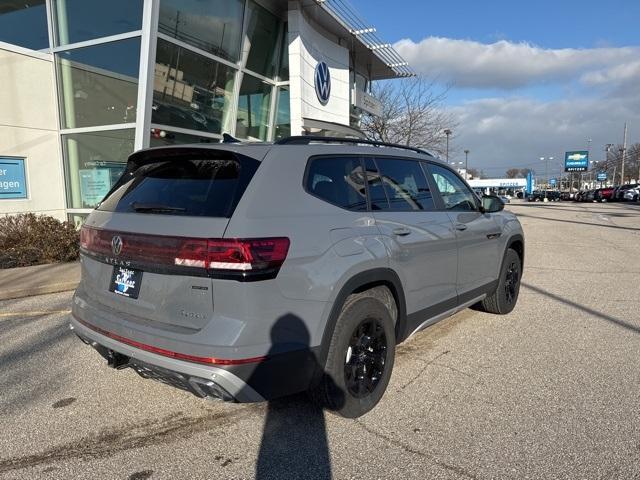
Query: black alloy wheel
512,278
365,358
504,298
361,354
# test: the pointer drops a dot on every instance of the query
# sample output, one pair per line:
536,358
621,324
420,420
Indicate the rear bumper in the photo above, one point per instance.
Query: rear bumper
276,376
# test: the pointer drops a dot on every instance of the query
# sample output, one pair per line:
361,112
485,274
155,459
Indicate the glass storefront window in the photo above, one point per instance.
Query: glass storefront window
284,55
211,25
262,35
94,162
253,109
24,24
99,85
77,218
191,91
80,20
283,114
160,137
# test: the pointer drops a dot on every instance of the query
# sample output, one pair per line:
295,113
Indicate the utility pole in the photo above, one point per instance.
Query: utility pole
607,147
624,152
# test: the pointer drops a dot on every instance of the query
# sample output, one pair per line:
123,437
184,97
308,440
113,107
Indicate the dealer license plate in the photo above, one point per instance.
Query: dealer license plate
125,282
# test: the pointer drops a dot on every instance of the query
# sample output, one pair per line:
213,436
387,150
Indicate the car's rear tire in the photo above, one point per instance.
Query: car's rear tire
360,358
505,296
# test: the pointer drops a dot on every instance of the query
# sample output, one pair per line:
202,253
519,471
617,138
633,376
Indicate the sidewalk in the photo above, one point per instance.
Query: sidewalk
38,280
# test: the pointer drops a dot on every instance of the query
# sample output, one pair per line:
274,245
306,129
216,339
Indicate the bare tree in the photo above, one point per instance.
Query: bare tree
473,173
413,114
612,165
524,172
512,173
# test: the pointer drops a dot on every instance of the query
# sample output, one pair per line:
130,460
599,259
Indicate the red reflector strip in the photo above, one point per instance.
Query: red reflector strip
169,353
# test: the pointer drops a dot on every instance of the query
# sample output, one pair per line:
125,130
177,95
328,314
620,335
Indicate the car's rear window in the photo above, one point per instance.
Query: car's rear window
182,186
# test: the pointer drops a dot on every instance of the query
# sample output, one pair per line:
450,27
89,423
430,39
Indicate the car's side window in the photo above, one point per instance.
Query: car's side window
377,195
337,180
455,194
403,183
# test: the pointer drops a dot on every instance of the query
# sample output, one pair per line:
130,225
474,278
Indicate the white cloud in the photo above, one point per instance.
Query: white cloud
619,74
514,132
509,65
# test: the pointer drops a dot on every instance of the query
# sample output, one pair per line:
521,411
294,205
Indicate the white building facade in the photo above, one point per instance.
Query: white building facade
87,82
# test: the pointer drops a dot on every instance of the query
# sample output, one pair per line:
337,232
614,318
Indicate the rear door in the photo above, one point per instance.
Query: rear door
146,230
477,233
421,240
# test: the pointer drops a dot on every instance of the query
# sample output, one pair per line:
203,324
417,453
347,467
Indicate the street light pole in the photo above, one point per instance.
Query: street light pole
589,141
466,163
546,176
447,132
607,148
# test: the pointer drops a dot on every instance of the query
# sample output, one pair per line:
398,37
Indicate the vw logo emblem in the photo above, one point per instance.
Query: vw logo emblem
116,245
322,82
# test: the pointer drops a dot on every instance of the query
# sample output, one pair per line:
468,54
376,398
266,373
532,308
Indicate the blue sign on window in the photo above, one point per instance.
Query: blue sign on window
12,178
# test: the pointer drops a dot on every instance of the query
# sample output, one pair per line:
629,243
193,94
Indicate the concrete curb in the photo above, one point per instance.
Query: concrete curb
41,290
38,280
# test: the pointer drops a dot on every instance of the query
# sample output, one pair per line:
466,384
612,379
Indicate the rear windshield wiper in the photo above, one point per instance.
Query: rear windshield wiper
154,207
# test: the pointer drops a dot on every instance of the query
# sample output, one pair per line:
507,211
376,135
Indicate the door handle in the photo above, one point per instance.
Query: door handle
401,231
461,226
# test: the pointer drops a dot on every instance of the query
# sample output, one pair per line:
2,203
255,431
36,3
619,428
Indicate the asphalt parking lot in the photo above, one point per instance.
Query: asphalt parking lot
550,391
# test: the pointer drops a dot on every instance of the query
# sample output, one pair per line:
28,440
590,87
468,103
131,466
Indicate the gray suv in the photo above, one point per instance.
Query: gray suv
244,272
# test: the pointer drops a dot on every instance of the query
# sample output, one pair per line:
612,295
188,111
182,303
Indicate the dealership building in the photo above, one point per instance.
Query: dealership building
86,82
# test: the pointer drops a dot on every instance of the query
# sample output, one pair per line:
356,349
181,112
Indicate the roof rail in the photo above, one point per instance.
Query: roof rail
307,139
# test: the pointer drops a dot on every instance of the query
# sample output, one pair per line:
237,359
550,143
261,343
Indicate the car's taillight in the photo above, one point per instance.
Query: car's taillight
91,240
251,254
252,258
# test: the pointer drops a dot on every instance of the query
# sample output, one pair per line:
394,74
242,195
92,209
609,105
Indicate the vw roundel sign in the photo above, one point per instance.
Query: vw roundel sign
322,82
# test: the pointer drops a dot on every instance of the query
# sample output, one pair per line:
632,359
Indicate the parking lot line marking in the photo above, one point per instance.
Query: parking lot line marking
33,314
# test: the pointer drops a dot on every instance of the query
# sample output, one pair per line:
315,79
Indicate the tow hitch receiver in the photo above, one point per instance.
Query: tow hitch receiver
117,360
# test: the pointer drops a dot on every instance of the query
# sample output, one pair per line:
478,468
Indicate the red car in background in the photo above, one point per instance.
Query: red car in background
604,194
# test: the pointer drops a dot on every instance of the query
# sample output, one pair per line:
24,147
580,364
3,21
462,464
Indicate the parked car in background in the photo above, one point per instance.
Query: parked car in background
631,194
581,196
590,196
535,196
566,195
504,199
604,194
619,194
539,196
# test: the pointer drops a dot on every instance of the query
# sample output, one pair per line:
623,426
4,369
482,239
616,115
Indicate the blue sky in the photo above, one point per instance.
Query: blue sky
528,79
551,24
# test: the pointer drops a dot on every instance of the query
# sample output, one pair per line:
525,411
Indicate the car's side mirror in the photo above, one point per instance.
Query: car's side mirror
492,204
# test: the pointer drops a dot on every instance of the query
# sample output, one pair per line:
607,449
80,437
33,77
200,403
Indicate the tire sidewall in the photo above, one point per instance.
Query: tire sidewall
510,257
349,319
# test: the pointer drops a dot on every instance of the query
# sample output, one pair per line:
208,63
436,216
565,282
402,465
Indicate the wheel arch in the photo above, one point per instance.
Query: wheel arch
358,283
516,242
